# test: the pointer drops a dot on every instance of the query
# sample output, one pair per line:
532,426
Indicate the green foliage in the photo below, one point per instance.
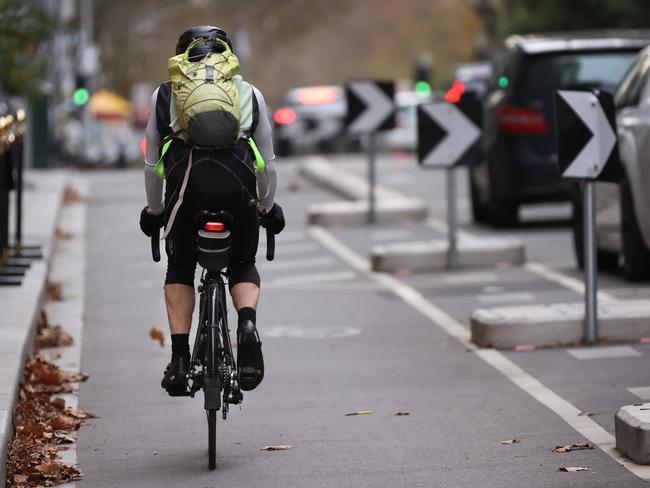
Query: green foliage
526,16
23,25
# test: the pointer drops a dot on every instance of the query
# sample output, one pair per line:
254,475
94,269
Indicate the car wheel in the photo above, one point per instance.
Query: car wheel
607,260
636,256
479,210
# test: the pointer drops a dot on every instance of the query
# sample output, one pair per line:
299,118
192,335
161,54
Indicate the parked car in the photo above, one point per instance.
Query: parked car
311,118
623,210
518,131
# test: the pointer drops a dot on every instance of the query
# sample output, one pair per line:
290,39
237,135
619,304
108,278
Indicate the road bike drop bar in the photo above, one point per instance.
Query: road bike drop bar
270,245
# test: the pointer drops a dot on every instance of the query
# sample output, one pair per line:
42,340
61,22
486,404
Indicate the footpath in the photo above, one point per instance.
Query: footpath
43,197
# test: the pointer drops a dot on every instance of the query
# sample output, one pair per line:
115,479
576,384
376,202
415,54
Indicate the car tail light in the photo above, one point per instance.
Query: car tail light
455,92
518,120
318,95
214,227
284,116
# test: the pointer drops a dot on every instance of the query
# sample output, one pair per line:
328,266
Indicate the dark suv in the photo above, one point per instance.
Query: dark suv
518,131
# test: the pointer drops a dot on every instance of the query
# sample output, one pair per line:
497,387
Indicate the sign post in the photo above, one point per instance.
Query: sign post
445,135
370,110
587,150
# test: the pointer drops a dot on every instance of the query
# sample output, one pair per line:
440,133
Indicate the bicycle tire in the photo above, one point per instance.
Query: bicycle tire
212,438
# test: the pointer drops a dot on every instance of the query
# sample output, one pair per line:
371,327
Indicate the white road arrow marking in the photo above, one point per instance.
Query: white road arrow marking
378,107
593,157
461,134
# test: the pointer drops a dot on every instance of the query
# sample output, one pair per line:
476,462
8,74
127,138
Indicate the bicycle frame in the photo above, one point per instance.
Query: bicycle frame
212,365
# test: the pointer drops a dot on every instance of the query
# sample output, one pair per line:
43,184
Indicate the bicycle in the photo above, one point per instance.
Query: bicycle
213,367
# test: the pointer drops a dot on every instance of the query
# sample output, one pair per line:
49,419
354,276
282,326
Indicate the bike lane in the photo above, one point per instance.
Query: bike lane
335,342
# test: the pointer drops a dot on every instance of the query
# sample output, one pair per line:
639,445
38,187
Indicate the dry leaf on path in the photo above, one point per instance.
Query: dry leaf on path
71,195
276,448
61,235
572,447
574,469
53,292
401,414
157,335
511,441
360,412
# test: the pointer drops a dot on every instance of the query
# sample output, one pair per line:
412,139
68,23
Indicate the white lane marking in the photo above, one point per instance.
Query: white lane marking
297,263
643,392
314,278
583,424
298,332
390,235
604,352
565,280
470,278
505,297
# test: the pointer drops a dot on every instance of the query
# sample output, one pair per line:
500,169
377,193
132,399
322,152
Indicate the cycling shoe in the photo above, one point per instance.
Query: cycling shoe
176,375
250,362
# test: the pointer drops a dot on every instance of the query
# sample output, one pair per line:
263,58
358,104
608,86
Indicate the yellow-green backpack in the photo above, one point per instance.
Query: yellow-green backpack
206,96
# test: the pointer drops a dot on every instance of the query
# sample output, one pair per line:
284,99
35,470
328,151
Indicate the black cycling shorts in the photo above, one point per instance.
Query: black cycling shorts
220,179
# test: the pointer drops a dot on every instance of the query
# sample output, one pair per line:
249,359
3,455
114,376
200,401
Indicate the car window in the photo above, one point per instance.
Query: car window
550,72
631,88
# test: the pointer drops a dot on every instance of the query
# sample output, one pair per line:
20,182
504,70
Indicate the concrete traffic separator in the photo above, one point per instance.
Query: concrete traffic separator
432,255
391,205
21,305
558,324
632,426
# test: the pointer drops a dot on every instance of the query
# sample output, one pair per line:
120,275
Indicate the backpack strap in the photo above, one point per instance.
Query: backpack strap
179,200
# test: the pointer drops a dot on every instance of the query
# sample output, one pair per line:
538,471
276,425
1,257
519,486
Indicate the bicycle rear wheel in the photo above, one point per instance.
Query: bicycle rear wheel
212,438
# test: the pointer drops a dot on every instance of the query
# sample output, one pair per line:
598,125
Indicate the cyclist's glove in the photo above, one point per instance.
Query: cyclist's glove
150,223
274,219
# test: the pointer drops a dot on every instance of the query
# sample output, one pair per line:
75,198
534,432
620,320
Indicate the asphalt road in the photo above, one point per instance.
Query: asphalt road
337,341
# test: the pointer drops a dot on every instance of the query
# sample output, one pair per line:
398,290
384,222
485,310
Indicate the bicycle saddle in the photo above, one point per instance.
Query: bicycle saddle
204,216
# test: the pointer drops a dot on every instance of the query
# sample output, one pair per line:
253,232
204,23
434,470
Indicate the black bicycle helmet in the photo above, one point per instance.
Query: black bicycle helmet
209,33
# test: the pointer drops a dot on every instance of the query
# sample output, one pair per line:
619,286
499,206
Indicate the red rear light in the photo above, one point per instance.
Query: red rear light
214,227
143,146
518,120
455,92
284,116
318,95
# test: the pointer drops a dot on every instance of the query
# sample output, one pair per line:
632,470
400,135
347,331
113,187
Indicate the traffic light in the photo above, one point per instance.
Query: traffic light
423,74
81,94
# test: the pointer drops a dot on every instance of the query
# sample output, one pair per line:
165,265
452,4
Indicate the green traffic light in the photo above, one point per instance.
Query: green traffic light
80,97
423,88
503,82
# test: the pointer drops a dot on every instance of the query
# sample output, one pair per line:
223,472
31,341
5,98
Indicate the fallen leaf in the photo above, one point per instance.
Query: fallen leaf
276,448
61,235
71,195
401,414
20,478
586,414
572,447
360,412
53,291
157,335
511,441
63,438
574,469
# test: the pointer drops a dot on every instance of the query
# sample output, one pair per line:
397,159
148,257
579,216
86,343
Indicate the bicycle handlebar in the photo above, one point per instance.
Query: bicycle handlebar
270,245
155,245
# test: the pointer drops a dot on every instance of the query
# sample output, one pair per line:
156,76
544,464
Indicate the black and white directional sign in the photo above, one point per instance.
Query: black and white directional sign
370,106
445,134
586,135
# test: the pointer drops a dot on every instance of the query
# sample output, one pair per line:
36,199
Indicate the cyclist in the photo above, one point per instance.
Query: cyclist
220,179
